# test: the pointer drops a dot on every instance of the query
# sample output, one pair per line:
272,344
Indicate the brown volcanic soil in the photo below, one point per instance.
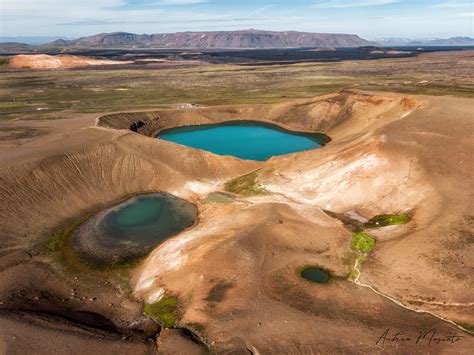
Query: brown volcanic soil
235,273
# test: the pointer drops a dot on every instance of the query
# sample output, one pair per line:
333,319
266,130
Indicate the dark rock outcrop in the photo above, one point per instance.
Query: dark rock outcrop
136,125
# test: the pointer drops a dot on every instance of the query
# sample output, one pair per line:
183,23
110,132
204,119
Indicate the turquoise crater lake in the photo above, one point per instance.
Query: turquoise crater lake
249,140
132,228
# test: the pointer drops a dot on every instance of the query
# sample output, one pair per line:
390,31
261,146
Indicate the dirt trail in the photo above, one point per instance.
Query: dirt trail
305,211
357,281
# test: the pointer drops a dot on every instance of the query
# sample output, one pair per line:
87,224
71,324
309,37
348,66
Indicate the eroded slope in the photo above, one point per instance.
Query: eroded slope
234,275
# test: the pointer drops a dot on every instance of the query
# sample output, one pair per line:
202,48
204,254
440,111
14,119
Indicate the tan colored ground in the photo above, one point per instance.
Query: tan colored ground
235,273
45,61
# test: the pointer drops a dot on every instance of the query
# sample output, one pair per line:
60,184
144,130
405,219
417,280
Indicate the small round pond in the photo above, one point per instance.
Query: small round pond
130,230
249,140
315,274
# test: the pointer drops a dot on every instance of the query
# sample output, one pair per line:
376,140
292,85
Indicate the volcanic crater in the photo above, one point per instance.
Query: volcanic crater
232,279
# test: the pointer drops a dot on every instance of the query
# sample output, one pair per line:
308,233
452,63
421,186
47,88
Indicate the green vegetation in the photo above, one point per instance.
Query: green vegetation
4,61
362,242
47,93
73,266
124,264
34,93
245,185
196,327
432,88
59,243
219,197
467,326
164,311
360,259
60,238
383,220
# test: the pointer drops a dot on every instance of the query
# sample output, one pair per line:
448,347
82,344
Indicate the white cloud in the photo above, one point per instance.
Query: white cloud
89,8
40,5
52,8
338,4
73,18
451,5
180,2
261,10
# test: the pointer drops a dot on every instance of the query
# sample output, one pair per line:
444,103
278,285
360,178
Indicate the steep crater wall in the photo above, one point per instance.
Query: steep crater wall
39,195
322,114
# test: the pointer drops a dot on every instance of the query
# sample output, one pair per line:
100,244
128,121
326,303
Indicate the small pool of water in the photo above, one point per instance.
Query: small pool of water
131,229
315,274
249,140
219,197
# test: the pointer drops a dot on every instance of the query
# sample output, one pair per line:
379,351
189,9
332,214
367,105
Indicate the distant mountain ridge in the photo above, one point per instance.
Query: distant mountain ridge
33,41
453,41
219,39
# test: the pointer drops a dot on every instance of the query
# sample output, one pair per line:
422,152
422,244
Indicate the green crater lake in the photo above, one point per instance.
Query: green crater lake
132,229
249,140
315,274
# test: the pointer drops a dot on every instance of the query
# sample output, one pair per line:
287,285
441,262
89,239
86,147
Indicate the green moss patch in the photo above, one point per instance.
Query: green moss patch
245,185
164,311
384,220
59,243
60,237
362,242
4,61
360,260
467,326
196,327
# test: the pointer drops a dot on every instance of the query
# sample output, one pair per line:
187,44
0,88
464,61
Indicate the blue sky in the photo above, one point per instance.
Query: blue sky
370,19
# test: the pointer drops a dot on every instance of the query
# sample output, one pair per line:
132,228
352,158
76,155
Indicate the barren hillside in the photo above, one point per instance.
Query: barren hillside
235,274
221,39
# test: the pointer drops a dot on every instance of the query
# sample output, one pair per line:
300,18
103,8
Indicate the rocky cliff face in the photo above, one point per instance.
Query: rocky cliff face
220,39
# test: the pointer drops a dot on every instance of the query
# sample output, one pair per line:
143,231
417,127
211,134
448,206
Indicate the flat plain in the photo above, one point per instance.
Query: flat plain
58,93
